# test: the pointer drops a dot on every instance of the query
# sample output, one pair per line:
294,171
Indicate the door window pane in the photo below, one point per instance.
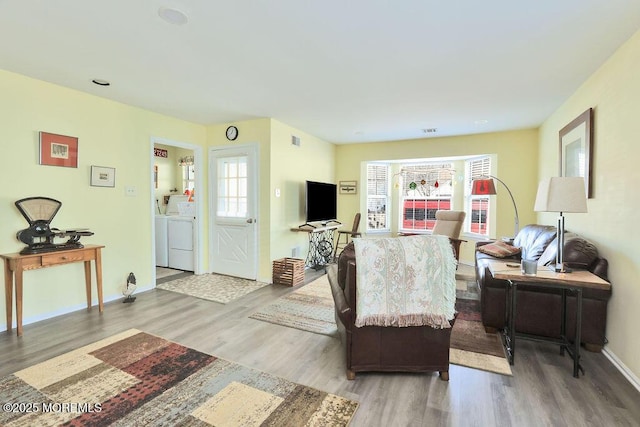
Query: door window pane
232,187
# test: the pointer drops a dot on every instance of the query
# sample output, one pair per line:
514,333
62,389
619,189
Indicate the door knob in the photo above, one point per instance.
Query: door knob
249,220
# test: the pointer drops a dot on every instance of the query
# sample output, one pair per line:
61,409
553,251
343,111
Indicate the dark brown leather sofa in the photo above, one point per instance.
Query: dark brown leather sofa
539,309
377,348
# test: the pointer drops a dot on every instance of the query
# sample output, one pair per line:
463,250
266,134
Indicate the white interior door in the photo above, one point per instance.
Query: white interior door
234,236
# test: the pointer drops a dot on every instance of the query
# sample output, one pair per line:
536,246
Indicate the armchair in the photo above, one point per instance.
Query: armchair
449,223
385,348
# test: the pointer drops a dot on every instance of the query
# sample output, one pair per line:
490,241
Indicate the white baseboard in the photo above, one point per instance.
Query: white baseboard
71,309
264,280
633,379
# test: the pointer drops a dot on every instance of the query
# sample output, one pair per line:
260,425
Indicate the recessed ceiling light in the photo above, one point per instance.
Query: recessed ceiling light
101,82
173,16
481,122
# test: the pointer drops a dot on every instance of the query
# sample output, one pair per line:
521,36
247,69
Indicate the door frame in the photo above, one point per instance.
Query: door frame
198,162
254,148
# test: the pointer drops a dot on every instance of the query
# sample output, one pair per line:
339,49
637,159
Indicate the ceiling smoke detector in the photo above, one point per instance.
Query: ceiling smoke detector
173,16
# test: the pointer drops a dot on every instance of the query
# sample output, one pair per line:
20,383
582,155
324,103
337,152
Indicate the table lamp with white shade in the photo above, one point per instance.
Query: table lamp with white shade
561,194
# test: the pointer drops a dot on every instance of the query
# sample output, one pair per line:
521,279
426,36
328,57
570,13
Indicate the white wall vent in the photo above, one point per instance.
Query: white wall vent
295,140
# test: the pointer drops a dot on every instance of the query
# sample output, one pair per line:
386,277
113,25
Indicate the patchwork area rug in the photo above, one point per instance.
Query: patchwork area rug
135,378
309,308
213,287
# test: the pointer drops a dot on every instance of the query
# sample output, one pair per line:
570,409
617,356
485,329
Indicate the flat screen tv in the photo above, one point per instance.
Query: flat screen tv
321,201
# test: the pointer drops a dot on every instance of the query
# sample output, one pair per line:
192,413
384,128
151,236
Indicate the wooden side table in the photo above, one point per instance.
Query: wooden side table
572,282
15,264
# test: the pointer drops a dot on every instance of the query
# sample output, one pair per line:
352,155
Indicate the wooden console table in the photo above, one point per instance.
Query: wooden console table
15,264
567,282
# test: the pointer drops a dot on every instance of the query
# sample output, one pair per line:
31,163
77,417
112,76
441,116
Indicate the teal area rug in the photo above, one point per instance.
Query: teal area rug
309,308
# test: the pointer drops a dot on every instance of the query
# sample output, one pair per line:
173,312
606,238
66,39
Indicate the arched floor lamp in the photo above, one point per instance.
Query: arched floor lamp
484,186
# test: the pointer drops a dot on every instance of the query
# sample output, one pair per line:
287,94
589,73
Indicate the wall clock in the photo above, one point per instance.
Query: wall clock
232,133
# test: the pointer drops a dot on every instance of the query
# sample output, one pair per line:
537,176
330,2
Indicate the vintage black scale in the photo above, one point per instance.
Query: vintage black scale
40,237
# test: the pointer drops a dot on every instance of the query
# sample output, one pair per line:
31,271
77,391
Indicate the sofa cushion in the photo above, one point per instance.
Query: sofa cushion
499,249
533,239
549,255
579,253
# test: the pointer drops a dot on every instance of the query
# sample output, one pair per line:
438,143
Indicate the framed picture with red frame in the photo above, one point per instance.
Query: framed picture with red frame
58,150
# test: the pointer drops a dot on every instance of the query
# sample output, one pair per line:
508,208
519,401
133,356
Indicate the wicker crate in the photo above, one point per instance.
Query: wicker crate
288,271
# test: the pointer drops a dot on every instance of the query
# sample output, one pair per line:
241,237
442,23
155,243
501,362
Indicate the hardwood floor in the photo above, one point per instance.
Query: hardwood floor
541,392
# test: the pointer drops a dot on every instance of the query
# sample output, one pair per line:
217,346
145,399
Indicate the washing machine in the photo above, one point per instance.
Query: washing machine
162,235
162,241
181,239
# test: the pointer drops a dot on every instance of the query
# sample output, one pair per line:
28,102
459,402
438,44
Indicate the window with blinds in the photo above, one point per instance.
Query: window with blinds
377,197
426,188
477,206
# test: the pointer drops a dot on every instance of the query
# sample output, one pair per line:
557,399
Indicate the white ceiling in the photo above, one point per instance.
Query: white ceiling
342,70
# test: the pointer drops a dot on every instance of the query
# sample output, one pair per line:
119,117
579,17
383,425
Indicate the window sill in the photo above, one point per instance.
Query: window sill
476,237
378,231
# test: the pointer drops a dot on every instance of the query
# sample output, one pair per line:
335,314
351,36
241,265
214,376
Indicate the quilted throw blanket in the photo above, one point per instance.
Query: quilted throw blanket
405,281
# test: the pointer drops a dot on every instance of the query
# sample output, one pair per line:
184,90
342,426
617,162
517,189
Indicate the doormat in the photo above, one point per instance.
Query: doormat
134,378
213,287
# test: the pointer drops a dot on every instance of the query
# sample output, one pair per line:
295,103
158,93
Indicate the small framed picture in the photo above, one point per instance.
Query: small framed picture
348,187
58,150
103,177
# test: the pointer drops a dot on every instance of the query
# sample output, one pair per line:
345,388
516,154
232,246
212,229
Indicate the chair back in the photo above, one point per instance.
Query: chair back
356,224
449,223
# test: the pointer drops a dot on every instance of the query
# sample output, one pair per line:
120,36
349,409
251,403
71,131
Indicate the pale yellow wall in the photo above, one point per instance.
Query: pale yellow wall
283,166
110,134
291,166
517,158
614,93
